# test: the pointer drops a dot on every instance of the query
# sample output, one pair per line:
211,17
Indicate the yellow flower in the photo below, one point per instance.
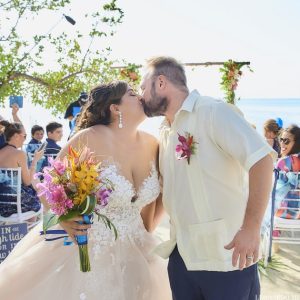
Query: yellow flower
55,180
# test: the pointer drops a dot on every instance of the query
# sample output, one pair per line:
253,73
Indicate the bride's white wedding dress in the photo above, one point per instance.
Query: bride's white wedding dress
121,270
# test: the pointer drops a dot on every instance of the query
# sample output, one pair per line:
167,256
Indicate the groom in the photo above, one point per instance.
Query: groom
217,174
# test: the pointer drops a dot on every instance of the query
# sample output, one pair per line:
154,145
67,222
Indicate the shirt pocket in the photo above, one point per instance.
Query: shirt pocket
208,240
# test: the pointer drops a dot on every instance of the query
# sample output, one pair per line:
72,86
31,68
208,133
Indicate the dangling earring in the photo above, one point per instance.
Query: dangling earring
120,120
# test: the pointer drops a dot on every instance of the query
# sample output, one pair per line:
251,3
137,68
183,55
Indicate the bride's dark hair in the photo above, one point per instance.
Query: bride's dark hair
97,109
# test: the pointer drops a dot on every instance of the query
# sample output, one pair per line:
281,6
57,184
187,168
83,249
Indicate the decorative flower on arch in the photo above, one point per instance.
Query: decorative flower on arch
131,75
231,73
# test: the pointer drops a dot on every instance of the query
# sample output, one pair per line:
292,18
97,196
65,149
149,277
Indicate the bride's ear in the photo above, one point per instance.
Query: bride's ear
114,109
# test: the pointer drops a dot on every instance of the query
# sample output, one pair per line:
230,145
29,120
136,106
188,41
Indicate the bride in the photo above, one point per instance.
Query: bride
123,269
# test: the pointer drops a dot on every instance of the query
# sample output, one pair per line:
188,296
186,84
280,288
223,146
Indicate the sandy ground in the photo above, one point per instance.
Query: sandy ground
277,285
285,283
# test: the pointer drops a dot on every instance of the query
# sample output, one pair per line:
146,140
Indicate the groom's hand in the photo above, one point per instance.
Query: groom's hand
245,245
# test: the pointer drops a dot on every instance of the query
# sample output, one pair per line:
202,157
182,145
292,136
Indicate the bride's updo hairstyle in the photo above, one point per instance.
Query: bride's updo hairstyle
97,109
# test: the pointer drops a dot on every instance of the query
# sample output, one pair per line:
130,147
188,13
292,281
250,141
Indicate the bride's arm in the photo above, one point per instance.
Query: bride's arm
152,214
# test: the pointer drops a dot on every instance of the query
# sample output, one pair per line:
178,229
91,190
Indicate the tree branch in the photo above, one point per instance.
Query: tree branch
3,4
28,77
88,49
21,12
77,73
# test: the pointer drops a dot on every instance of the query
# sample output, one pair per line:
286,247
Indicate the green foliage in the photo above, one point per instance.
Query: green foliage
131,74
275,264
25,68
231,73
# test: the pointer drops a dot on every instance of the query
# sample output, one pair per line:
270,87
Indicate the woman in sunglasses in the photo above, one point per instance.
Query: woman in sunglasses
12,157
290,141
290,162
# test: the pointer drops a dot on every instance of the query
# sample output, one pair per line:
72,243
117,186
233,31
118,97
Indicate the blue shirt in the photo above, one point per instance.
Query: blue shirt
52,147
2,139
33,145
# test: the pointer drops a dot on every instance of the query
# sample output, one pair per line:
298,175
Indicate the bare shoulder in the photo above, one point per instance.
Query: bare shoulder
20,154
89,134
149,138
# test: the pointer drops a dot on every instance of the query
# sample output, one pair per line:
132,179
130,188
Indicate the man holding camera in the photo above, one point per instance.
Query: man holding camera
74,108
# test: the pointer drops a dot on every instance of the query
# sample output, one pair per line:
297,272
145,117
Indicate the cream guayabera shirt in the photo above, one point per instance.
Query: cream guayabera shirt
206,199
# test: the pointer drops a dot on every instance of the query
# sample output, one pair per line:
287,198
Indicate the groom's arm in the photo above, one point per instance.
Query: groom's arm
152,214
246,241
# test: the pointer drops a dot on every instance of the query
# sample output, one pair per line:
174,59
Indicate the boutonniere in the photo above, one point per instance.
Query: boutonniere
186,146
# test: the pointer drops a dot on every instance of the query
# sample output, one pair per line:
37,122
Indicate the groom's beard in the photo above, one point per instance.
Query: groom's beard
156,106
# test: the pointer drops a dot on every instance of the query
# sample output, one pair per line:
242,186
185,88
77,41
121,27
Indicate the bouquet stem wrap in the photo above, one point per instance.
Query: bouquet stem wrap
82,241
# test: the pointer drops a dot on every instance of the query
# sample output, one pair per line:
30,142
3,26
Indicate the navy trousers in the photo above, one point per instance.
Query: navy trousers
210,285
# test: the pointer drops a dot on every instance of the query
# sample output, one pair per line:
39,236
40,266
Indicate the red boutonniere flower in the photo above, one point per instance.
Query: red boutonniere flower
187,146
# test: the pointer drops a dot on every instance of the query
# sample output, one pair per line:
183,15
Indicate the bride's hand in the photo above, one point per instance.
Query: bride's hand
73,228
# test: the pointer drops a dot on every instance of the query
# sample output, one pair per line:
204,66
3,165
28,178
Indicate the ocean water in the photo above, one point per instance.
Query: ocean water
256,111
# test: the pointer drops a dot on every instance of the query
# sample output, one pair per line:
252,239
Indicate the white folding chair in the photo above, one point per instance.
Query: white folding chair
289,203
41,163
13,180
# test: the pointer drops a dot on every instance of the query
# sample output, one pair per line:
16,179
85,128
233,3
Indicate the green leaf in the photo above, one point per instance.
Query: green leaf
70,215
49,220
87,206
108,223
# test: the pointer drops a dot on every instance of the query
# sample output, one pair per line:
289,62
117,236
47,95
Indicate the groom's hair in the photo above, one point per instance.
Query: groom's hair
169,67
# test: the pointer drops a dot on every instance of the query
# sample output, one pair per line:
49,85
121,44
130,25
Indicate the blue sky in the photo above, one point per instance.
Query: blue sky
263,32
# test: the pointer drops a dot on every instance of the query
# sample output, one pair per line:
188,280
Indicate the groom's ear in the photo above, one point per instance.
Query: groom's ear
162,81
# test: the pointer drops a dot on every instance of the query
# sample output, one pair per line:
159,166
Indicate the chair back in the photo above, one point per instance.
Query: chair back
285,210
43,162
10,194
10,188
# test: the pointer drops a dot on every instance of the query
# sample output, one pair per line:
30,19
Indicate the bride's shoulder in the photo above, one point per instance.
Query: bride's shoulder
94,131
149,138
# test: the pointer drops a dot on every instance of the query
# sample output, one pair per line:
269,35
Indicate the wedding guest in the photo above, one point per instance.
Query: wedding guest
12,157
271,133
15,117
37,134
74,108
290,162
290,141
54,132
2,138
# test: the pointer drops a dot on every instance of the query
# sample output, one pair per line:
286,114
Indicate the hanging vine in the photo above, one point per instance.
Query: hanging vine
231,73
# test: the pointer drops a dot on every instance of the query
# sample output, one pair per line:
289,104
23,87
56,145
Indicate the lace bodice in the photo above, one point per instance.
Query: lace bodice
124,206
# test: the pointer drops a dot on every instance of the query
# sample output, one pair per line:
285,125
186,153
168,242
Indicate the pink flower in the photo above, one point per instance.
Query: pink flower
102,196
186,148
58,165
59,201
231,73
234,86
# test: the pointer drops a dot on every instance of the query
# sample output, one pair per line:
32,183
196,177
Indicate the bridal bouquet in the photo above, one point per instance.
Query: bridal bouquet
72,187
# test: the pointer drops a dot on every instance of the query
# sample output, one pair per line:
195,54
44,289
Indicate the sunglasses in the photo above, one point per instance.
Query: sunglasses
285,141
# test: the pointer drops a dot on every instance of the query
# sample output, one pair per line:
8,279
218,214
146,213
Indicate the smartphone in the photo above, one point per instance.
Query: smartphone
16,99
43,146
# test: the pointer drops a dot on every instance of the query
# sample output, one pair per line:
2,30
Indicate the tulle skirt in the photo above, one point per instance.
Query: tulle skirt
121,270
